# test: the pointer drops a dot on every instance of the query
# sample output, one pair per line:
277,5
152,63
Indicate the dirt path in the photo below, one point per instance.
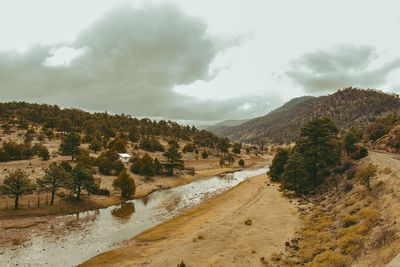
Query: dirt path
215,233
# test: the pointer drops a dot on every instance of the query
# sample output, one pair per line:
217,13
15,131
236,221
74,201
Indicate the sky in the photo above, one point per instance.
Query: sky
194,61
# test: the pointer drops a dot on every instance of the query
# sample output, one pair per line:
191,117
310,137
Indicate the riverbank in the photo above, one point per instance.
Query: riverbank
16,225
215,233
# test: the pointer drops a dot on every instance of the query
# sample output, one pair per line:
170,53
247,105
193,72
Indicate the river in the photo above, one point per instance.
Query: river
94,232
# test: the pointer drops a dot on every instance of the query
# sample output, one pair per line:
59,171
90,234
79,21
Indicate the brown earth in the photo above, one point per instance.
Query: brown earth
215,233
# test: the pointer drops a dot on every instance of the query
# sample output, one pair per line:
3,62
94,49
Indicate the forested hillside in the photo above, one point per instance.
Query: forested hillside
100,126
347,107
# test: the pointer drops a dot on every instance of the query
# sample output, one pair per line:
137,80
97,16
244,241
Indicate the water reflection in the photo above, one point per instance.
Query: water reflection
227,176
145,200
124,212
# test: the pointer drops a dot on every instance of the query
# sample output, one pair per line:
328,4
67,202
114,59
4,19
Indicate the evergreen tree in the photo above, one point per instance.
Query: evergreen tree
236,148
278,163
17,183
352,136
70,145
125,184
223,145
55,178
81,178
158,166
319,146
230,159
95,145
174,160
295,175
241,163
44,153
147,167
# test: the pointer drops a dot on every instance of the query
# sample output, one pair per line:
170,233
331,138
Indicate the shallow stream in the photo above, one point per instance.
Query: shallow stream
94,232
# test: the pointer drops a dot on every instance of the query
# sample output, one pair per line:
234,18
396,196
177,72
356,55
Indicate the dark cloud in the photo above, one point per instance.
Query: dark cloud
129,62
340,67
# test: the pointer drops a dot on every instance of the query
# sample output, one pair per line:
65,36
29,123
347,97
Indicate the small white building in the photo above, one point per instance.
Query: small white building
124,157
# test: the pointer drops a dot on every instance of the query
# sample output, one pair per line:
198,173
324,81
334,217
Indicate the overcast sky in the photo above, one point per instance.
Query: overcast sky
191,60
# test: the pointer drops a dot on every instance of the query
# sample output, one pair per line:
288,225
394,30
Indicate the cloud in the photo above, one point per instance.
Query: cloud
343,66
127,62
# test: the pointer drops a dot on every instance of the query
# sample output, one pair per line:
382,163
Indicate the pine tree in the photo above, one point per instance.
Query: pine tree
55,177
295,175
81,178
17,183
278,163
125,184
70,145
174,160
319,145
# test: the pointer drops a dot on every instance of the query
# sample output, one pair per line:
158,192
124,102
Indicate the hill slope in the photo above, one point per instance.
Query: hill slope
216,128
347,107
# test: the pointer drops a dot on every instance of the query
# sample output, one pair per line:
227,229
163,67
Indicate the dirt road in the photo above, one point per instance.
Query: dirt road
215,233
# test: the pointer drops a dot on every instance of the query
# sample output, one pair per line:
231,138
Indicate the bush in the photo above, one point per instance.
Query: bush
204,154
350,243
188,148
365,174
331,258
103,192
349,220
44,153
13,151
241,163
371,216
222,162
361,152
348,187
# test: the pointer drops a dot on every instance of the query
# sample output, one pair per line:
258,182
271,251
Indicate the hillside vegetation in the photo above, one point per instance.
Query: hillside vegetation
348,197
347,108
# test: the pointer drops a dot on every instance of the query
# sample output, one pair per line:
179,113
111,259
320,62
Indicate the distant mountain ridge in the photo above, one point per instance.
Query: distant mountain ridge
225,124
347,107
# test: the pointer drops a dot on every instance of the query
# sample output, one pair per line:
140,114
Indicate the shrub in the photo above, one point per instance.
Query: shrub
188,148
331,258
241,163
248,222
44,153
350,243
371,215
348,187
365,174
102,192
349,220
222,162
204,154
361,152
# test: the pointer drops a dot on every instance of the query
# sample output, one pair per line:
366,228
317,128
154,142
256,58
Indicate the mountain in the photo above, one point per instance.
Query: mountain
347,107
216,128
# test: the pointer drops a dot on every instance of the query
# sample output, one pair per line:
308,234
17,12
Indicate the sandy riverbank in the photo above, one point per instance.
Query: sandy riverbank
215,233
